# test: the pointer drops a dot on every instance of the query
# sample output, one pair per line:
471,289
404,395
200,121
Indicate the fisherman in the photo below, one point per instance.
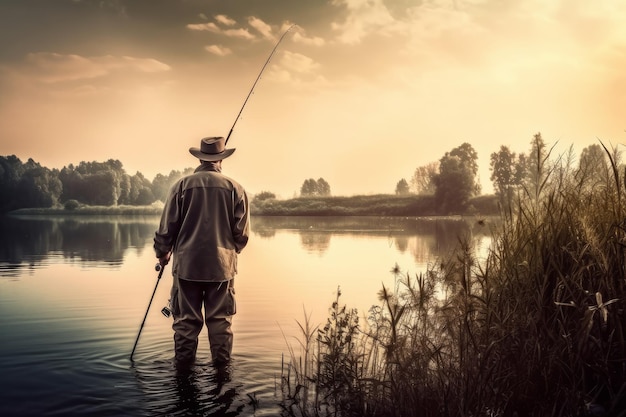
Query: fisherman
205,224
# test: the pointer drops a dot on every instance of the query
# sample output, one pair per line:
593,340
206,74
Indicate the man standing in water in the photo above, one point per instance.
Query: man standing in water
205,224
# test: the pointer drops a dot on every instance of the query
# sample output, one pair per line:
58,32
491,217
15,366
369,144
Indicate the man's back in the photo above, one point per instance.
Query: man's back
206,220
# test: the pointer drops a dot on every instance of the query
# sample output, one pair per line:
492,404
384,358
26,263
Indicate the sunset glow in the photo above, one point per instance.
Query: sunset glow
361,93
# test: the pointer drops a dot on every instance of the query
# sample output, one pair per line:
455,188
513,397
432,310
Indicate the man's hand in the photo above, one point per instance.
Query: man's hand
165,259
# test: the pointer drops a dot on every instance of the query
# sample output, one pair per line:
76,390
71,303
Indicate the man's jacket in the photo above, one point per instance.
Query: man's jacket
205,223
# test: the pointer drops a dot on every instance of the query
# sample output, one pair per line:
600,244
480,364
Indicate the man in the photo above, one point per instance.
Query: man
204,225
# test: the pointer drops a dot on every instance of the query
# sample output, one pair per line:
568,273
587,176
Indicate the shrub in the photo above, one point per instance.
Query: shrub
71,205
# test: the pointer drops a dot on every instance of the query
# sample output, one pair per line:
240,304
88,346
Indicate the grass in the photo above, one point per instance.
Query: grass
534,329
368,205
154,209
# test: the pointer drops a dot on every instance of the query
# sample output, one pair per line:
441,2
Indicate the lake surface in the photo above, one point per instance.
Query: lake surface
74,290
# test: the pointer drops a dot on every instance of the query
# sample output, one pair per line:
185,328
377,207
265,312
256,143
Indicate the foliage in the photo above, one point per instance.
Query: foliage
507,173
422,181
402,187
312,188
457,180
71,205
27,184
265,195
533,328
365,205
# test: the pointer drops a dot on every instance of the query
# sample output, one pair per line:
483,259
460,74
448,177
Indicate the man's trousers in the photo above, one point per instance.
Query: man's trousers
187,299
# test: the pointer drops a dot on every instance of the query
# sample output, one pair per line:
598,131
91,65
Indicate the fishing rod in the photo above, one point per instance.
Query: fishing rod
257,80
157,267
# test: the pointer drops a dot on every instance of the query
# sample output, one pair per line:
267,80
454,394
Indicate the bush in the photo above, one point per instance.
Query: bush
71,205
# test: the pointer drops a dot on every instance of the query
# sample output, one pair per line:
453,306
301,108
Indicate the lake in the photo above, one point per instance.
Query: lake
74,291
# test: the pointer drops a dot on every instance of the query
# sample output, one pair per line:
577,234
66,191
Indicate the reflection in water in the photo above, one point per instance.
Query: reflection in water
26,241
422,236
315,242
71,328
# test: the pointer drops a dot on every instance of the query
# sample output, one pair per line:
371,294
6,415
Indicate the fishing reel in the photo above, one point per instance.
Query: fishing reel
167,310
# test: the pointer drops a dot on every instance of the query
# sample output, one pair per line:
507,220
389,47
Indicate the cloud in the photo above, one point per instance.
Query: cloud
225,20
300,37
299,63
298,70
364,17
263,28
209,27
218,50
49,67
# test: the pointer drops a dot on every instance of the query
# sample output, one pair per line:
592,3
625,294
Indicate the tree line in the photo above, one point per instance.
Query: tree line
29,184
452,181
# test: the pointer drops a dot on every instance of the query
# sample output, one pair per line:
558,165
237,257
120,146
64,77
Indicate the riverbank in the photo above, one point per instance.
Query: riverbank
369,205
364,205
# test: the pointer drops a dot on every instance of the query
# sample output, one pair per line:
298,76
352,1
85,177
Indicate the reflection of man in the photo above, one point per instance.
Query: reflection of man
205,225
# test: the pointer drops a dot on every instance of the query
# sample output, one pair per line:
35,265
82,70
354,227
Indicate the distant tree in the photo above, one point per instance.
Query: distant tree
507,173
312,188
27,184
455,183
309,188
422,180
94,183
39,186
469,157
161,184
11,169
323,188
140,190
402,187
593,166
265,195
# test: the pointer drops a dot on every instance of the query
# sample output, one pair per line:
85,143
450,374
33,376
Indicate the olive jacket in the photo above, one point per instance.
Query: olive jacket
205,223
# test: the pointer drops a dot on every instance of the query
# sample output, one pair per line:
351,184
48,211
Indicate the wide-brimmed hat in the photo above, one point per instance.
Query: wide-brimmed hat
212,149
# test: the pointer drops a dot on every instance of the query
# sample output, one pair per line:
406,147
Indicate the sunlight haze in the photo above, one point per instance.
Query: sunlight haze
359,93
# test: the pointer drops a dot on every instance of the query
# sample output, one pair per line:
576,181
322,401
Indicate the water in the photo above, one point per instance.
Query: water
73,292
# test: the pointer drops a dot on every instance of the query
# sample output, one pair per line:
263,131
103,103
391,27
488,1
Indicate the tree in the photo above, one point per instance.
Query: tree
507,173
39,186
95,183
422,180
323,188
312,188
140,190
456,182
264,195
309,188
469,157
11,169
592,166
402,187
27,185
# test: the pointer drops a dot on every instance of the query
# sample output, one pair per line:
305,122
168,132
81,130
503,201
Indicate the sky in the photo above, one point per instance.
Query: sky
359,92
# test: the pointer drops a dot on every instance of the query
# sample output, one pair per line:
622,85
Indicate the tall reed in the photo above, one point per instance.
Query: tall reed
534,329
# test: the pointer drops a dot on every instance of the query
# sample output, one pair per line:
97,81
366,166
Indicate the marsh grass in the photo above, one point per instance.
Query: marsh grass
536,328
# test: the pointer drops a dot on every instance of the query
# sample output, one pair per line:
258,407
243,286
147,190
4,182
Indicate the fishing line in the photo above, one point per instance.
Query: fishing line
257,79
